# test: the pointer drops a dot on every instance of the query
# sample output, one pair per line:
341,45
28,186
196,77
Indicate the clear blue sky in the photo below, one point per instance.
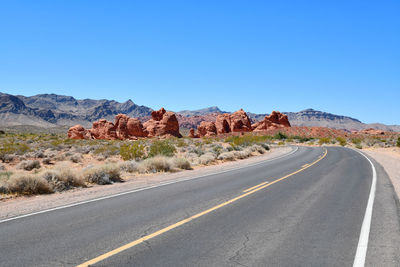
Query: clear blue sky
337,56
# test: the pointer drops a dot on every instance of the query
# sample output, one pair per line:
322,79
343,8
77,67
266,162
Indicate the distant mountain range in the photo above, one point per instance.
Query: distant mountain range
51,110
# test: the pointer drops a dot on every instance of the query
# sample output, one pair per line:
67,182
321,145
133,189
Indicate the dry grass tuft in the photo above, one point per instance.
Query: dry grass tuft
155,164
26,183
129,166
105,174
181,163
63,179
28,165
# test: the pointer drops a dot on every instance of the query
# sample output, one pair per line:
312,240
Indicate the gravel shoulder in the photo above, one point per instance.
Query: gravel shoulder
389,158
24,205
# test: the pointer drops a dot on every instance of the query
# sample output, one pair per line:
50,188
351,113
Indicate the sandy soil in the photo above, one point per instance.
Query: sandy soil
389,158
23,205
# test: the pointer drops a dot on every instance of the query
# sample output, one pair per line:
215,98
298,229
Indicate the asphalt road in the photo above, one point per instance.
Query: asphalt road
300,215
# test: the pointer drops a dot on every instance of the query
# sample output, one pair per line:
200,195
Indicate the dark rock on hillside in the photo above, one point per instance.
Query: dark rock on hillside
52,109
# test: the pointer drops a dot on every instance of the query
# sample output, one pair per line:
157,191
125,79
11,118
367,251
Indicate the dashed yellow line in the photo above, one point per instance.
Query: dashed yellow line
184,221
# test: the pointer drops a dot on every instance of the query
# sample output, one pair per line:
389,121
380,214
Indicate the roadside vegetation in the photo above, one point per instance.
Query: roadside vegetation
47,163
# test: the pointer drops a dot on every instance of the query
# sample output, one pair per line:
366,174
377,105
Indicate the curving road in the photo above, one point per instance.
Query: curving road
305,209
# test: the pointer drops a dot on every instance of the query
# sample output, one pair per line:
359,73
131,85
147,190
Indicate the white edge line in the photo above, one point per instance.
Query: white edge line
361,253
142,189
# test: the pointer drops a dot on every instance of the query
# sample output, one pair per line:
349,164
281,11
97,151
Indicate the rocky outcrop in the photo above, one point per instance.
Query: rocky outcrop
371,131
78,132
207,129
192,133
226,123
235,122
240,122
274,121
103,129
162,123
129,128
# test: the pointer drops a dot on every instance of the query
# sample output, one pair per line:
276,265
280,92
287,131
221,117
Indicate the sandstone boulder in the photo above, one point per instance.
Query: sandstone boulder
103,129
162,123
207,129
274,121
240,122
78,132
372,131
128,128
223,123
192,134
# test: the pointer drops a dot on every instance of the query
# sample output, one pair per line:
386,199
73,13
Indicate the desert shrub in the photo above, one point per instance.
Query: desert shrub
7,158
301,139
398,142
342,141
227,156
106,150
46,161
359,146
104,174
242,154
207,158
155,164
2,168
181,143
28,165
129,166
181,163
26,183
76,158
356,141
39,154
265,146
12,147
163,148
247,140
62,179
324,140
258,148
132,151
280,136
281,143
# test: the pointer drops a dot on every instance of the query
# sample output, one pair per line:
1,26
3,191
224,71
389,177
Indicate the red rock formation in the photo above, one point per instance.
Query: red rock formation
128,128
162,123
103,129
274,121
240,122
207,128
223,123
372,131
78,132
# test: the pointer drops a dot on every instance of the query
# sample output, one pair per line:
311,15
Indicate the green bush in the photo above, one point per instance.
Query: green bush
247,140
132,151
162,147
342,141
356,141
280,136
398,142
324,140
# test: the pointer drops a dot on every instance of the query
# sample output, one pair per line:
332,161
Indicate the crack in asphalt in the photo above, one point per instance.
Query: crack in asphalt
236,257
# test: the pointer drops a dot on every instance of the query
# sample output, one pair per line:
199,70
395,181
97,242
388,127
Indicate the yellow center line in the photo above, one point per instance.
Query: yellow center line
305,165
251,188
184,221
